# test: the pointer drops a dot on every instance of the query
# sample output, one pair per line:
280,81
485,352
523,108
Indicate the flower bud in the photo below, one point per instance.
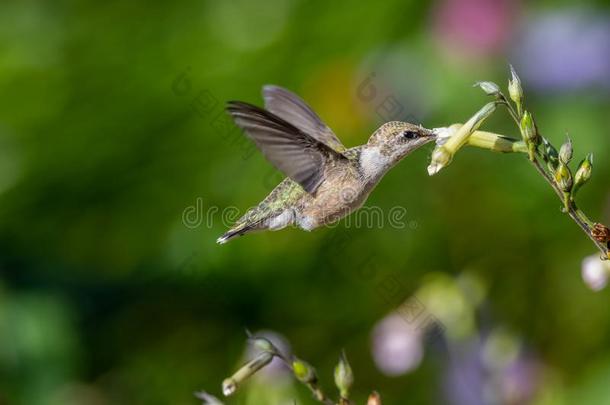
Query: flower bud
263,344
566,151
490,88
583,174
344,377
303,371
563,177
600,233
528,128
374,399
550,154
514,87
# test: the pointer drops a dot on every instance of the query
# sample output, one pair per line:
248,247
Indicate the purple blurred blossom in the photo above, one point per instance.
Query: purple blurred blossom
465,374
519,380
397,346
565,50
470,381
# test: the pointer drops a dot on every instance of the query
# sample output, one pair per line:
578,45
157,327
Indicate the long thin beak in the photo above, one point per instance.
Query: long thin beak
428,135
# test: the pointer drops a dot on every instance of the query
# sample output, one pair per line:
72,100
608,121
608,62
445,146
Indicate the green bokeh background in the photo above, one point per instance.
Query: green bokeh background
109,131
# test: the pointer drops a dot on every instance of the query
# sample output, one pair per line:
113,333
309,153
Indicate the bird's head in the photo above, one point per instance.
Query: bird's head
397,139
389,144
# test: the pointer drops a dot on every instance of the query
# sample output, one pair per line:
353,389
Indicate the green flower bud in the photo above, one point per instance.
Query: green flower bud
490,88
514,87
566,151
550,155
344,377
563,177
583,174
303,371
528,128
263,344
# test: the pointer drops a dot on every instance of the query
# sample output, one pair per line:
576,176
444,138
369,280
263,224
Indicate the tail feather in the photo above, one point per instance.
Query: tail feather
258,220
235,232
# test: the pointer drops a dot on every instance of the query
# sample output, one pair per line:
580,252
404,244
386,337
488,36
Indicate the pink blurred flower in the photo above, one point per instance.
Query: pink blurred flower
477,27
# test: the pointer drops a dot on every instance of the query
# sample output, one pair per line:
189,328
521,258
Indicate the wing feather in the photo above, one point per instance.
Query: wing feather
295,153
294,110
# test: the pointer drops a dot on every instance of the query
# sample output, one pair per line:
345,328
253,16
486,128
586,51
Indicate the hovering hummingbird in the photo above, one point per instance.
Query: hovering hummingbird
325,180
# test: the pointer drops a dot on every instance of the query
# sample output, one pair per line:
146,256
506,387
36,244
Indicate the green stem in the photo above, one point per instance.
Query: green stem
488,140
584,218
570,206
319,395
576,214
313,386
566,201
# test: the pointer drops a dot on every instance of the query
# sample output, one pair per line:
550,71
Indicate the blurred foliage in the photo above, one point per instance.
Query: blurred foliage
111,125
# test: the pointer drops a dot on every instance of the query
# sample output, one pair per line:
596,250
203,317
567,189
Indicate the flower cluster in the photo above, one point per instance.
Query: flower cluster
300,369
552,164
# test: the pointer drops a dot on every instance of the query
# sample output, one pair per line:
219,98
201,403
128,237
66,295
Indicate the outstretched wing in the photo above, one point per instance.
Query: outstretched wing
295,153
294,110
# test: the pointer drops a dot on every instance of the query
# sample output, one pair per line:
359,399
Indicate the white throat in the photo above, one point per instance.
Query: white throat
373,163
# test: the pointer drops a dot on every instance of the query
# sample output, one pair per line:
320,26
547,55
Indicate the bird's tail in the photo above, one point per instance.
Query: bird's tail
236,231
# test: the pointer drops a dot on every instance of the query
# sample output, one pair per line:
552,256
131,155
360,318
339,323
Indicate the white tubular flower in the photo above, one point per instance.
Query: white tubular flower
443,154
207,398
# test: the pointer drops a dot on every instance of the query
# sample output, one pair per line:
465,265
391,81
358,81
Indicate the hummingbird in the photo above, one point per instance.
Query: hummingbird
325,181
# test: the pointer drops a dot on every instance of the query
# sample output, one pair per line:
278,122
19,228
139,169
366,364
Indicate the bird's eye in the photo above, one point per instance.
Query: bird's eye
409,134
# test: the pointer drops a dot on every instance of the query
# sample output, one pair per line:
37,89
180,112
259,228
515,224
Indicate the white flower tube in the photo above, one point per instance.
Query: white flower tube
443,154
